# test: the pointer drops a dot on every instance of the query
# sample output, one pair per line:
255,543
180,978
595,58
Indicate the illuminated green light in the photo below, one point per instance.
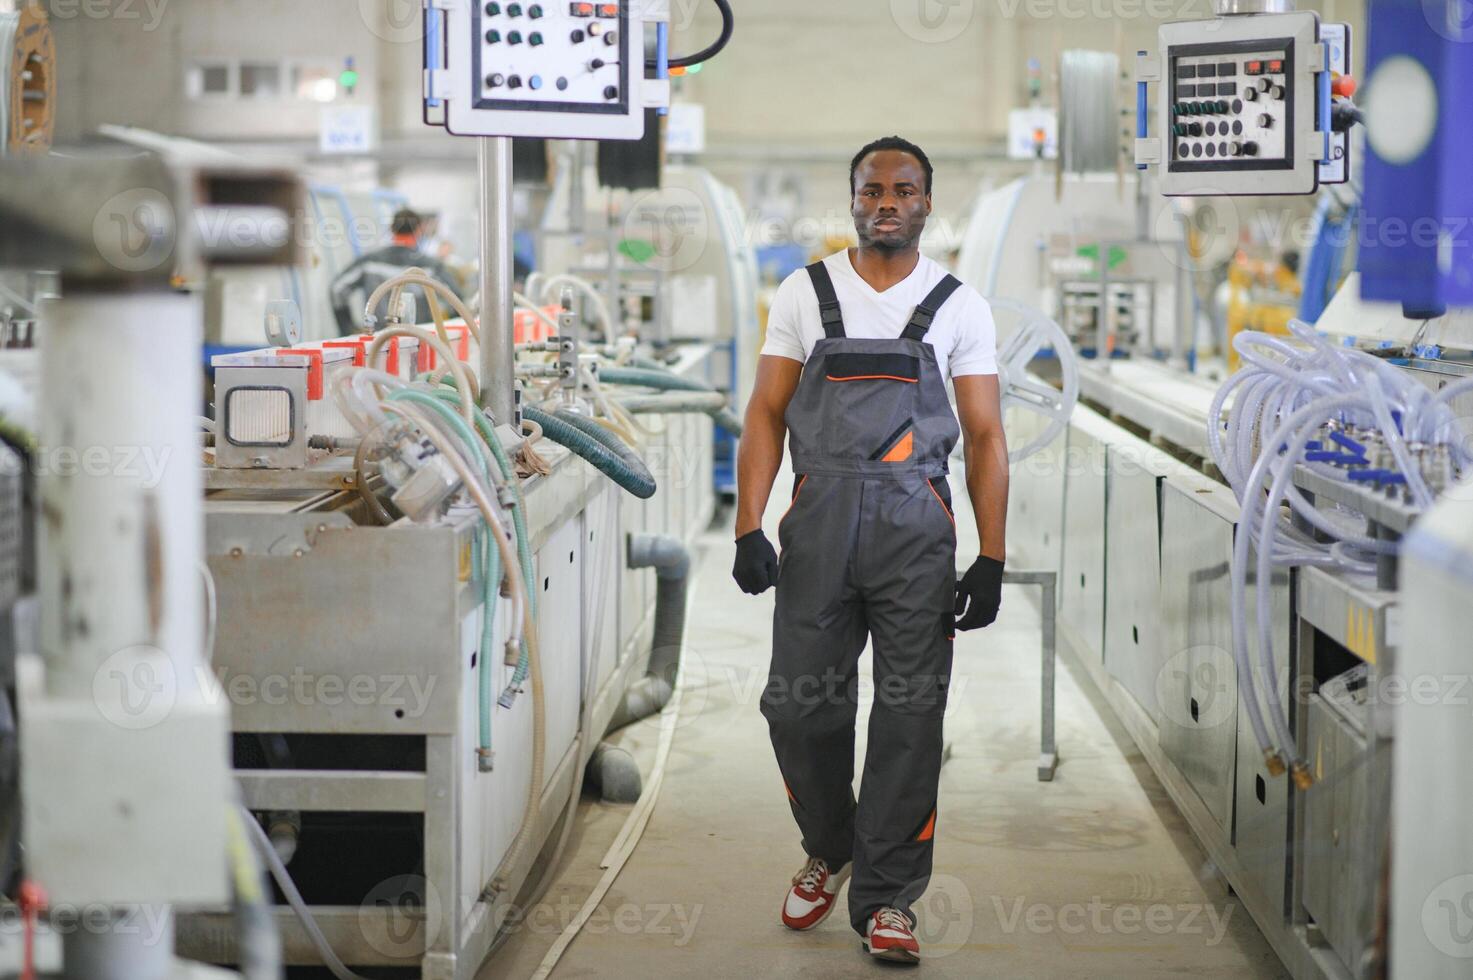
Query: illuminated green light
693,70
348,79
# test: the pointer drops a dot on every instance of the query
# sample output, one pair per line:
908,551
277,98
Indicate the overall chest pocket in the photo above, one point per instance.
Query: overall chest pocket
869,404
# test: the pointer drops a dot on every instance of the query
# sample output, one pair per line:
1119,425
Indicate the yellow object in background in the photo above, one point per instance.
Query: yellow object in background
1263,294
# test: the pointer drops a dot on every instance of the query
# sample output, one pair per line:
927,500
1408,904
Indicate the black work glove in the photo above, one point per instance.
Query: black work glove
755,569
978,594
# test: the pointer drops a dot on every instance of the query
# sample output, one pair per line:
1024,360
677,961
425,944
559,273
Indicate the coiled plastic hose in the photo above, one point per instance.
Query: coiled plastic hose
608,454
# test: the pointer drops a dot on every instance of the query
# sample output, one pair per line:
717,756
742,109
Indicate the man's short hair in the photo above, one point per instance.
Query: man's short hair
406,222
891,143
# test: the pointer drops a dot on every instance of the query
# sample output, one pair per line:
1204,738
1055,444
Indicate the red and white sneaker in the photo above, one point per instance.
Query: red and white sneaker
814,892
888,937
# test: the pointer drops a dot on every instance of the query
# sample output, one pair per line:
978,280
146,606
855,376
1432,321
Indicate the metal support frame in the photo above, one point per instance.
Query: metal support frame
1048,749
498,346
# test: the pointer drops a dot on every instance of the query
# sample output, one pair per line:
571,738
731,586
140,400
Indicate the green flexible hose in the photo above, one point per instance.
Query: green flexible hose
489,554
518,514
608,454
657,377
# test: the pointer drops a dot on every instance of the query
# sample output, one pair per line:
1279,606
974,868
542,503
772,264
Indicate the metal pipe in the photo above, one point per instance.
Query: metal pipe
497,338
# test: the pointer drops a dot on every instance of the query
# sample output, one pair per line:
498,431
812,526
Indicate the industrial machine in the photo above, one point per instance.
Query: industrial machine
384,596
1308,513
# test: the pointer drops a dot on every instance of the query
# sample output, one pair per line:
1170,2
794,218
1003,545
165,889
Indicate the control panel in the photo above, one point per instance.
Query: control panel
550,68
1243,106
1232,111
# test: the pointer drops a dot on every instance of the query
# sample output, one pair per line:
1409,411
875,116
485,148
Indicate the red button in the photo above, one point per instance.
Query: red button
1343,86
608,10
582,10
1254,68
1275,66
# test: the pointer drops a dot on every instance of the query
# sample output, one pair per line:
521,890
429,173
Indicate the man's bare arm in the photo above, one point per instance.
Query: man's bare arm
760,453
979,410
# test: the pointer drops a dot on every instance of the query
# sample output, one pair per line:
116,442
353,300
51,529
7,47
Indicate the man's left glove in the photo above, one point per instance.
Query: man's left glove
755,569
979,594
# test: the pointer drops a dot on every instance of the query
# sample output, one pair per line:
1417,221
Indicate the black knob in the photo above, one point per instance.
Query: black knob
611,38
611,92
1222,106
1277,92
1194,129
596,64
1251,94
1250,149
577,37
514,82
495,81
493,37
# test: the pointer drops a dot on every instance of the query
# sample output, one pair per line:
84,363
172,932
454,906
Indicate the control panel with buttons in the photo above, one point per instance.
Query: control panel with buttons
1239,114
1242,105
545,68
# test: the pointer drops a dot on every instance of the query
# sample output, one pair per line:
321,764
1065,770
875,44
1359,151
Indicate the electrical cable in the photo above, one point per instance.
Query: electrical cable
728,22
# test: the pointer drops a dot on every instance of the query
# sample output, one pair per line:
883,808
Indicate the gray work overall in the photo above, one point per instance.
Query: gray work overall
868,550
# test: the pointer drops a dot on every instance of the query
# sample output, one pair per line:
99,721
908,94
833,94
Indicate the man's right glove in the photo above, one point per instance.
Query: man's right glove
978,594
755,569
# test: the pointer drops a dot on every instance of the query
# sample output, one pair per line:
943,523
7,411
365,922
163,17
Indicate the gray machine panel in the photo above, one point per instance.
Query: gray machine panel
1133,571
382,601
1262,827
1337,882
1198,686
1082,586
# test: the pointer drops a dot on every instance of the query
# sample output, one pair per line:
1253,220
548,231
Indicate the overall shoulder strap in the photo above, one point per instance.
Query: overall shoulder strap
921,319
828,300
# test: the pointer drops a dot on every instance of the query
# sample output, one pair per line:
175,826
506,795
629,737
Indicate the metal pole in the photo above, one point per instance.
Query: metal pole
497,339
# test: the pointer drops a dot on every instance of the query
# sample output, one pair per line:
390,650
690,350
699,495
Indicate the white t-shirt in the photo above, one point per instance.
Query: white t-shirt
963,333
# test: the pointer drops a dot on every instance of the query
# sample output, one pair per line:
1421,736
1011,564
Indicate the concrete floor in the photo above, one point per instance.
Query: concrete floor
1092,875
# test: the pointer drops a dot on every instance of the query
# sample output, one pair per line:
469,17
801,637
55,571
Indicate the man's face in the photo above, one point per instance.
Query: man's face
890,201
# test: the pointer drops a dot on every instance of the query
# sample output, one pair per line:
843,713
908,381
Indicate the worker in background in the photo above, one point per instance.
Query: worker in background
859,350
353,286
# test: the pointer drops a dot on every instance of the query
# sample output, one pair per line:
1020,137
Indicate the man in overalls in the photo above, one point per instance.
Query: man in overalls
859,349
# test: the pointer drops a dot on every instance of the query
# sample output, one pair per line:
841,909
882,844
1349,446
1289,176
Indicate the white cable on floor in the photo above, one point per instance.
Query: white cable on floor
623,847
